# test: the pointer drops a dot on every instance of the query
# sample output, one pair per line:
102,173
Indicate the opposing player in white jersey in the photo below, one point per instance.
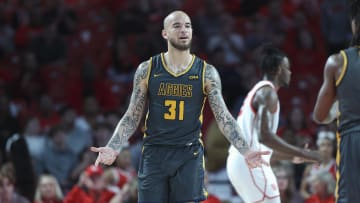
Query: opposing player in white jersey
258,120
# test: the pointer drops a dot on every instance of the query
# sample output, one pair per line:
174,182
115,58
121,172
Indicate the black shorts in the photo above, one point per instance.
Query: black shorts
348,169
170,175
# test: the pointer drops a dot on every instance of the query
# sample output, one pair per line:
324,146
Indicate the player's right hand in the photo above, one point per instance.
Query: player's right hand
106,155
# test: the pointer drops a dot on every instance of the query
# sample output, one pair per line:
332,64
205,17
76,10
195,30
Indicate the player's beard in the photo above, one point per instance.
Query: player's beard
181,47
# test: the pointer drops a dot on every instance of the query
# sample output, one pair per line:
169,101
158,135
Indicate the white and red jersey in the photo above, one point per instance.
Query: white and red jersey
253,184
249,121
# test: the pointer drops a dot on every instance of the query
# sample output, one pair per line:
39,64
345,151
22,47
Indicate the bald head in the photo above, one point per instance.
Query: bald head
177,30
174,16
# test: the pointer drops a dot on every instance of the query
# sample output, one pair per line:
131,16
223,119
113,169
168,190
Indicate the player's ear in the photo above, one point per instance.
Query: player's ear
164,34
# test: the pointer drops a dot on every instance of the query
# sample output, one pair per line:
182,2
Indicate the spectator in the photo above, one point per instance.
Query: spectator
325,144
90,115
7,186
18,153
125,171
77,139
91,188
285,179
48,190
8,123
323,185
296,132
58,158
35,141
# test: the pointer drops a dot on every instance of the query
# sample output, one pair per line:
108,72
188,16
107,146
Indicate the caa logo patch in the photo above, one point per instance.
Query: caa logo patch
193,77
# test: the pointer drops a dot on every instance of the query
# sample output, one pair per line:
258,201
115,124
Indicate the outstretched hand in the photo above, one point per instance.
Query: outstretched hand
298,159
254,159
106,155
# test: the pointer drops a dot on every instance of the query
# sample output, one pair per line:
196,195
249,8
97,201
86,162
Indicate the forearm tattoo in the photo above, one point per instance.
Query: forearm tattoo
226,122
131,119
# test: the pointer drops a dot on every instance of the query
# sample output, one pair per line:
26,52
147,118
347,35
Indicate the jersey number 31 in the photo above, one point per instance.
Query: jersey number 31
175,107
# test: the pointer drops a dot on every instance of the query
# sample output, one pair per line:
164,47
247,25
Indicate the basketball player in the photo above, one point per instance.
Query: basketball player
341,77
258,120
175,85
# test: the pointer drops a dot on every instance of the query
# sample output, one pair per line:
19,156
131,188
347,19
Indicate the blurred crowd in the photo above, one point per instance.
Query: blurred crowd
66,70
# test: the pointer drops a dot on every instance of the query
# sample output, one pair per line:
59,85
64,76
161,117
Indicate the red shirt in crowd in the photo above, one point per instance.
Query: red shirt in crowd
49,201
316,199
77,194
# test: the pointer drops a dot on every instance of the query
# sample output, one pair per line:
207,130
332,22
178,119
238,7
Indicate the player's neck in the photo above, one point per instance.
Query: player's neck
273,81
176,60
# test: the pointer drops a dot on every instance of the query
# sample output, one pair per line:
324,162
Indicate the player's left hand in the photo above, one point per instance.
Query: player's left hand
254,158
106,155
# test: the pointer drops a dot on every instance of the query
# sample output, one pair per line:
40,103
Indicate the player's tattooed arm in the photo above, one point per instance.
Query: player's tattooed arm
131,119
226,122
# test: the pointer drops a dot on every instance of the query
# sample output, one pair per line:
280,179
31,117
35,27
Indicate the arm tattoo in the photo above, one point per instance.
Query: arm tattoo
131,119
226,122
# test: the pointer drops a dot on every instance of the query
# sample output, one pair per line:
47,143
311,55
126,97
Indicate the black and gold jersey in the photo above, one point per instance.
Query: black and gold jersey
176,103
348,91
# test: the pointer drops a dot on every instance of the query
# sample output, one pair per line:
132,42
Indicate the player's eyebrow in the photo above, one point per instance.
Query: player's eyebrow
177,23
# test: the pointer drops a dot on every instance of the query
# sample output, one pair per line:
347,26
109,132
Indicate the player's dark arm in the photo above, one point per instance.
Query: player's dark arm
131,119
327,94
266,102
226,122
277,156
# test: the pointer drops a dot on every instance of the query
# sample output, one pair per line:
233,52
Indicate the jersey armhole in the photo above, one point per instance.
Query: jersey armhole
343,68
253,96
203,77
148,72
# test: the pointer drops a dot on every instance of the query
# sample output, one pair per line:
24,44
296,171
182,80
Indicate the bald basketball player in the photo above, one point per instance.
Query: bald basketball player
175,84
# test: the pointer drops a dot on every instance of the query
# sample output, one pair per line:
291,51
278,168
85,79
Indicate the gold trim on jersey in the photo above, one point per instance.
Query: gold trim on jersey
203,78
343,69
145,127
338,140
148,72
201,112
174,74
205,192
